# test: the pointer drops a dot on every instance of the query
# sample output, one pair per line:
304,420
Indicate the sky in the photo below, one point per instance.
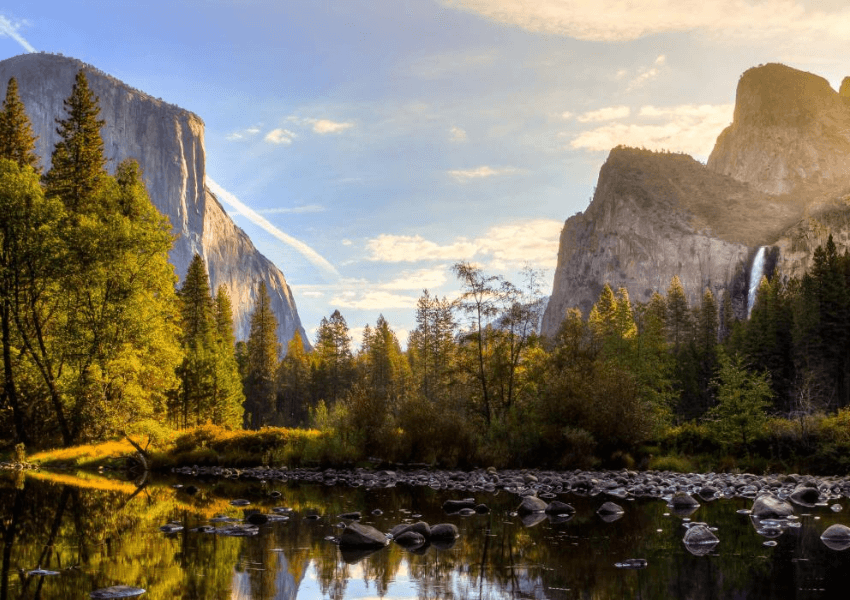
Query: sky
366,146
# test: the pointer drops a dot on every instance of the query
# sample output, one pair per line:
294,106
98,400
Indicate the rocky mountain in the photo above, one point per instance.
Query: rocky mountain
779,176
168,143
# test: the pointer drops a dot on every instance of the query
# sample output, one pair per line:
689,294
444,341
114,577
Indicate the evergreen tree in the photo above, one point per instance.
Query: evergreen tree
17,142
229,397
332,363
293,401
262,363
78,165
678,321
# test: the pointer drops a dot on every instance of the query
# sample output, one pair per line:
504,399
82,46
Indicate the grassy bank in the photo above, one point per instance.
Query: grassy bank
816,444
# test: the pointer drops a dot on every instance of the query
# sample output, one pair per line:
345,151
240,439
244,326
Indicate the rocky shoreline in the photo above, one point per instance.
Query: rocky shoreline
804,489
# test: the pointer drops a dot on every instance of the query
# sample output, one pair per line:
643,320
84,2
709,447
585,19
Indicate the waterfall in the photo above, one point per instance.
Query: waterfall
756,272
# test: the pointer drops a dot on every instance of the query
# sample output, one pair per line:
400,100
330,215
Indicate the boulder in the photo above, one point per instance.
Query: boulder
556,507
531,504
836,537
358,535
420,527
682,500
768,506
699,539
444,532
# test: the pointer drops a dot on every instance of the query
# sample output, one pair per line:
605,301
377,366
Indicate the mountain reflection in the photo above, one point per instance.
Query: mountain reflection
96,532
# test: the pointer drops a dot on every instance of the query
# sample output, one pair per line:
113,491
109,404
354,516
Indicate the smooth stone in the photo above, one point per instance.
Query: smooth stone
444,532
240,502
531,504
482,509
682,500
609,508
351,516
420,527
358,535
171,528
116,591
699,539
768,506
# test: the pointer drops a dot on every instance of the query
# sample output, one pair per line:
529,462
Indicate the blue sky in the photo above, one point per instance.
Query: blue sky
366,146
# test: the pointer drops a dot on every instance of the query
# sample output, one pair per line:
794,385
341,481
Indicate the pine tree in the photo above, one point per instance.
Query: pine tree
17,142
332,362
227,406
78,165
260,383
293,401
678,315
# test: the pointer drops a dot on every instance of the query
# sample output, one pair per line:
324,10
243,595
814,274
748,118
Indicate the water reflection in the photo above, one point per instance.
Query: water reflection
95,533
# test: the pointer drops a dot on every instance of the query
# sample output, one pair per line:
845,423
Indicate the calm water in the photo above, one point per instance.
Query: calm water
96,533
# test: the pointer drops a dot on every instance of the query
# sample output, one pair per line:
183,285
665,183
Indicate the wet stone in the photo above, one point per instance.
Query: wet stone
632,563
116,591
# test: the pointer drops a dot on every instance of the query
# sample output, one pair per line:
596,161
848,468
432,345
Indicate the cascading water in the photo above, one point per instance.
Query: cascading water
756,272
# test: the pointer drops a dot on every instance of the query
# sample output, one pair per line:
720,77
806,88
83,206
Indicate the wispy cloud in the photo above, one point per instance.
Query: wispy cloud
280,136
242,134
609,113
615,20
464,175
249,213
9,29
647,74
534,241
685,128
374,300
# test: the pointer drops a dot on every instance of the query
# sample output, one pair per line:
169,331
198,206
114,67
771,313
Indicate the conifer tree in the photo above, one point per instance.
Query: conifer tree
293,401
262,363
17,142
78,164
229,397
332,360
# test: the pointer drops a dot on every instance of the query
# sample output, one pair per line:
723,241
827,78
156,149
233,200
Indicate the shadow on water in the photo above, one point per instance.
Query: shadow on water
94,532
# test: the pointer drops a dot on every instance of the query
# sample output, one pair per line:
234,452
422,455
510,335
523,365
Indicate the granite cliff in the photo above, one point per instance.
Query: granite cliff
168,143
779,176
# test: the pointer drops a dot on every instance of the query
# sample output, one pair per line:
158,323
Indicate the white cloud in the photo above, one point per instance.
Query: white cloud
661,60
457,134
9,29
407,248
688,128
346,242
280,136
615,20
311,255
534,241
323,126
566,115
464,175
646,74
373,300
609,113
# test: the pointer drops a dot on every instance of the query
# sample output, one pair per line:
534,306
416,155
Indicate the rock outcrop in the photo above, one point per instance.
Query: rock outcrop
779,176
790,133
168,143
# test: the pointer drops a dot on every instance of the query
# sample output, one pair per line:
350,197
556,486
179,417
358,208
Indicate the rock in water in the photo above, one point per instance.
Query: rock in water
358,535
768,506
531,504
116,591
836,537
699,539
168,143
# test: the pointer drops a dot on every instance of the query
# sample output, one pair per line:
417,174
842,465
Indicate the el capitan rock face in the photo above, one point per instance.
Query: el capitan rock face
779,176
168,143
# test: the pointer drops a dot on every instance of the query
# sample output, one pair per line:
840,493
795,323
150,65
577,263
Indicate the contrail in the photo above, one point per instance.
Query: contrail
259,220
6,28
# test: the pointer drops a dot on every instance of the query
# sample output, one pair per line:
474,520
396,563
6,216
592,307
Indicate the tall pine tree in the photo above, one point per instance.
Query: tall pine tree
262,363
17,142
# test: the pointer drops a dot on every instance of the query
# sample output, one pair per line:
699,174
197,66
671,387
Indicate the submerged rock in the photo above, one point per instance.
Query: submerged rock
530,505
116,591
609,508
